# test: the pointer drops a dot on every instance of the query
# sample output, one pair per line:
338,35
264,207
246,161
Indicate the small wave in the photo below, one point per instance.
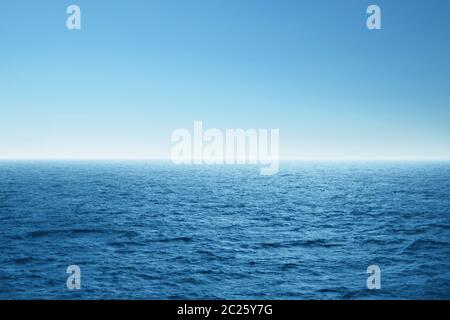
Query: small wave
289,266
299,243
49,233
87,231
340,289
24,260
425,244
177,239
211,255
129,234
40,233
125,244
29,259
145,276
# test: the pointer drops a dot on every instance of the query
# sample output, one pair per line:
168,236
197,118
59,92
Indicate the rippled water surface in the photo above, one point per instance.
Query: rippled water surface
151,230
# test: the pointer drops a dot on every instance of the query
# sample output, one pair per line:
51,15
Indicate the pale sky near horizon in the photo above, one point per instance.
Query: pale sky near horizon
137,70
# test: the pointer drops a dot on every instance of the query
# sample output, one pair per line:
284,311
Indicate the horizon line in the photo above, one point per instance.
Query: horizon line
169,159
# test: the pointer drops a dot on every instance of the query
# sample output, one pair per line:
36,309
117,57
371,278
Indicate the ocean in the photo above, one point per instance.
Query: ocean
153,230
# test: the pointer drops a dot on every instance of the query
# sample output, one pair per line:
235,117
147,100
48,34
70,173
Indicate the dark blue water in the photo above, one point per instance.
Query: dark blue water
148,230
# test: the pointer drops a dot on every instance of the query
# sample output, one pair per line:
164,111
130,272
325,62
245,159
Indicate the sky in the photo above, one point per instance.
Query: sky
138,70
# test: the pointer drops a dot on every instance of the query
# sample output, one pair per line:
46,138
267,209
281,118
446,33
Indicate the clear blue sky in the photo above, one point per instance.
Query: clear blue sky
137,70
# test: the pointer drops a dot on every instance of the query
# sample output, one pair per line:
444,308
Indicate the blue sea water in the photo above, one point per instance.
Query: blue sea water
152,230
